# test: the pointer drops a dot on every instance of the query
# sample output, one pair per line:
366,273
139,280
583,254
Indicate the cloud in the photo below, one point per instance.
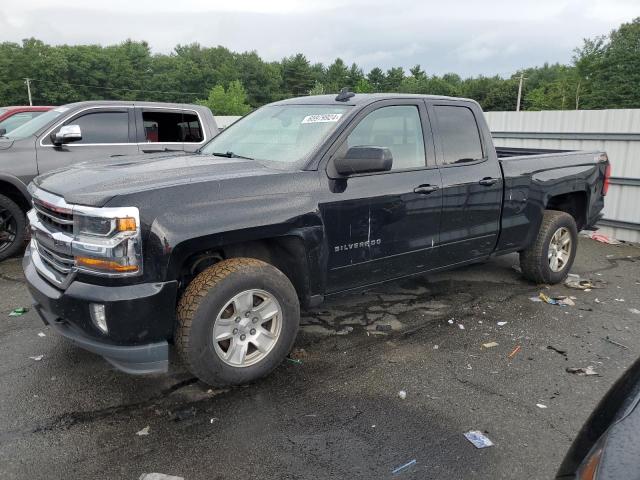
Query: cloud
466,36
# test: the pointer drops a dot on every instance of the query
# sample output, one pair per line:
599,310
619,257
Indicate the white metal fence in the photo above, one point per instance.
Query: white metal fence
615,131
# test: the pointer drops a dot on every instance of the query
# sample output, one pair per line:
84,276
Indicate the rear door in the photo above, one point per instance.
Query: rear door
106,132
384,225
471,183
160,129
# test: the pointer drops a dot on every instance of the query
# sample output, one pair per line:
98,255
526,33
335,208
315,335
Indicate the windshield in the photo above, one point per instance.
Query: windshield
33,126
278,133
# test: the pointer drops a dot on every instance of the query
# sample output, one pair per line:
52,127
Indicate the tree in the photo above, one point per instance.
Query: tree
393,79
318,89
296,75
363,86
610,68
417,72
376,79
232,101
337,76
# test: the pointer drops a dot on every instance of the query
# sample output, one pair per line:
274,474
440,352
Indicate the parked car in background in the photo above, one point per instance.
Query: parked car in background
12,117
608,445
83,131
214,252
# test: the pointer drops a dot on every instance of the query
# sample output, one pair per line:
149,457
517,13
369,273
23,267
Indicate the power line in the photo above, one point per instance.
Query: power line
115,88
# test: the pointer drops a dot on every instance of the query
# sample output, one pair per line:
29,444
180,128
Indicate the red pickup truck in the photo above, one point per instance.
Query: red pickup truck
13,117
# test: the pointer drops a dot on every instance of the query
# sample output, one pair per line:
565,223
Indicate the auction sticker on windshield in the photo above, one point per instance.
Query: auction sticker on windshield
322,118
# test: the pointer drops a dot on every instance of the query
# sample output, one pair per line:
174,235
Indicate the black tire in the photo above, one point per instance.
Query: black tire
12,227
534,261
206,296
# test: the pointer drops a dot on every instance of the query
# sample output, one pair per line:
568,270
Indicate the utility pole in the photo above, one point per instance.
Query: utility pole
28,82
522,79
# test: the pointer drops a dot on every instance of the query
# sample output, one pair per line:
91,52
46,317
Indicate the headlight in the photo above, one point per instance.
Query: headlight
107,240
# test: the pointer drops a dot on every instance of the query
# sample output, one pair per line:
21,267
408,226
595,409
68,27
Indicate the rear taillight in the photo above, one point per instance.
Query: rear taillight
605,185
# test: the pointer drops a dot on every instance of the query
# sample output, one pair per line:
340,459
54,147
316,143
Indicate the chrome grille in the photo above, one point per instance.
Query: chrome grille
58,218
51,238
61,262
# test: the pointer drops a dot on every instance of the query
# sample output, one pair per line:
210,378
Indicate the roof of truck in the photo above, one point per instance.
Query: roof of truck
360,99
97,103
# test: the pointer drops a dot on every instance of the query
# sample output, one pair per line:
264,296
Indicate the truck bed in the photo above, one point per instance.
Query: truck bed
508,152
533,176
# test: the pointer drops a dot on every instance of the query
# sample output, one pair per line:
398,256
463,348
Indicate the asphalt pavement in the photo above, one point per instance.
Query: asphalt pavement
334,411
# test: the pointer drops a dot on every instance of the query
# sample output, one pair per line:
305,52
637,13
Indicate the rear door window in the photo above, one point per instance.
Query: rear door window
458,134
171,127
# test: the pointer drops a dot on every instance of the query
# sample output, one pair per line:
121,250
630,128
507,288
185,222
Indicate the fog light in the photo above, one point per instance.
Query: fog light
99,316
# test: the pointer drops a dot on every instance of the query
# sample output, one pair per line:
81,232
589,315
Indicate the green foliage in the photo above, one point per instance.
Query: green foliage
604,73
318,89
232,101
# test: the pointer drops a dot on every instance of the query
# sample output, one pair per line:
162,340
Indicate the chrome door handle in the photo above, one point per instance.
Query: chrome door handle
488,181
425,189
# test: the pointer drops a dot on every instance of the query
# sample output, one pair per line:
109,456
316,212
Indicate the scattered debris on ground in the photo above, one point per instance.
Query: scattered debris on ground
402,394
541,405
298,354
582,371
577,282
294,360
383,327
37,358
619,299
478,439
535,299
144,431
345,331
158,476
460,326
602,238
635,311
515,351
501,324
490,344
557,350
41,334
17,312
607,339
403,467
561,300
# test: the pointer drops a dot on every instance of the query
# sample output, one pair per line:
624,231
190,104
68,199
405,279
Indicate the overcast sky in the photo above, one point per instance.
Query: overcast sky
468,37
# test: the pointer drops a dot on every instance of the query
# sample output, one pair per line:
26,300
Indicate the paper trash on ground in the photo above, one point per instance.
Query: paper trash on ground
478,439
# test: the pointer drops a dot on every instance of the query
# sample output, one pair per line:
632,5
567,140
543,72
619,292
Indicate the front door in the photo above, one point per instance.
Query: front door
384,225
106,132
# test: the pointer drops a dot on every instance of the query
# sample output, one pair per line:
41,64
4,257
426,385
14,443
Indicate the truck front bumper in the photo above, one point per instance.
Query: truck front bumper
140,319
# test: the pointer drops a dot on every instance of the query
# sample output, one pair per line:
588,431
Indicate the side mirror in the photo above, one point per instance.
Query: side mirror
2,131
66,134
364,159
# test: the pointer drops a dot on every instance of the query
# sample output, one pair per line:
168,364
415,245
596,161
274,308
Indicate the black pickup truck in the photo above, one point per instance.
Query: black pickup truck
214,252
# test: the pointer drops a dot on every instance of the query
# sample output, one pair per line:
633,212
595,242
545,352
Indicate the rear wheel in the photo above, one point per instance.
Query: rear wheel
551,256
12,227
237,320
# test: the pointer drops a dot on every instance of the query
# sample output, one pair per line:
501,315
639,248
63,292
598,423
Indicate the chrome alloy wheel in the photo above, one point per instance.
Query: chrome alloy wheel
559,249
247,328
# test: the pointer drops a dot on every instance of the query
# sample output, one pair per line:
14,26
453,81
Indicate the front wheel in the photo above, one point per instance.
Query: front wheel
550,257
12,227
237,321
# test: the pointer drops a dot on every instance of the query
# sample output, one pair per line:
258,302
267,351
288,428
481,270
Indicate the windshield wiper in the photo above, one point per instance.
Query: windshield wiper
230,155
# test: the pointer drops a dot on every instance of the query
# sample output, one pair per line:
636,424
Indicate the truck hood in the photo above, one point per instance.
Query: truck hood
94,183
